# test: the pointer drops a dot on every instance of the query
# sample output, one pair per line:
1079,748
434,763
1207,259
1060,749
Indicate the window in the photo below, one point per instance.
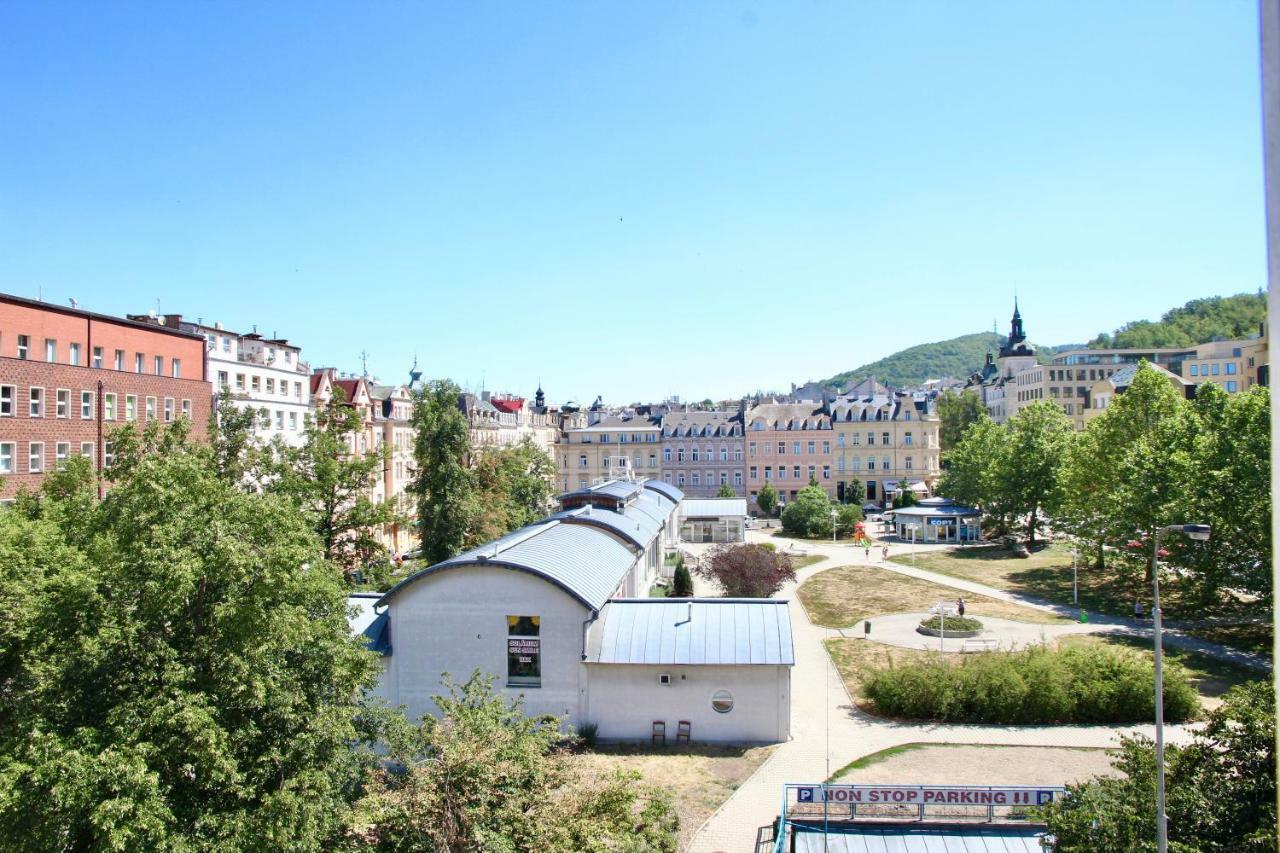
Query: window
782,472
697,479
724,478
168,409
223,379
871,438
666,454
722,701
679,454
24,346
1231,386
768,472
1231,368
158,363
255,384
751,449
61,451
97,356
119,359
176,368
679,478
239,381
795,448
906,463
840,464
694,452
271,385
812,472
782,448
35,403
737,478
130,407
73,354
226,344
6,457
151,409
86,405
754,473
297,394
724,453
8,393
1216,368
582,460
50,350
871,463
108,454
884,463
826,472
86,450
35,457
813,448
109,407
279,419
826,447
137,362
884,438
524,651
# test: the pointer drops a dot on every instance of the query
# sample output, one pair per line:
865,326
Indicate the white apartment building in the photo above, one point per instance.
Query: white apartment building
265,374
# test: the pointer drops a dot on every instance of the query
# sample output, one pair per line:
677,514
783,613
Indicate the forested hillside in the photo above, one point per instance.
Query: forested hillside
957,357
1197,322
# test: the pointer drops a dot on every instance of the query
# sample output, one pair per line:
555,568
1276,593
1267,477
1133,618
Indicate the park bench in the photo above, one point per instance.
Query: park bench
978,644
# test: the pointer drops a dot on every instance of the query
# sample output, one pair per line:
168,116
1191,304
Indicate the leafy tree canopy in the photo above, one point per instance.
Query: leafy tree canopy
1197,322
810,514
767,499
747,571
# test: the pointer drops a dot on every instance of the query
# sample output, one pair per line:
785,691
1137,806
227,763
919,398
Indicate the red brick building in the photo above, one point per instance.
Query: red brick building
69,376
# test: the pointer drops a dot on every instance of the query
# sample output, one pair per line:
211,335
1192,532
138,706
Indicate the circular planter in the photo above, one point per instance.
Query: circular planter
933,632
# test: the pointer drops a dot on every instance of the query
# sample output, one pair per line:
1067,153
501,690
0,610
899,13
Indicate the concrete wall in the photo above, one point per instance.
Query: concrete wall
625,699
455,621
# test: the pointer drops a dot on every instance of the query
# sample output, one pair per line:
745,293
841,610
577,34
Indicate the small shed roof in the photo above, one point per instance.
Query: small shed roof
665,489
715,507
637,527
916,838
694,631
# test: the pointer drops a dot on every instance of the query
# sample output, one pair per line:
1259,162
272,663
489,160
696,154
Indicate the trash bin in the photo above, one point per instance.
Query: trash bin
1084,616
866,629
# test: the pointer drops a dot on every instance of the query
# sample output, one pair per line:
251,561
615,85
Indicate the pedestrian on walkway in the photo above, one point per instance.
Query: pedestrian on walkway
960,606
1137,609
884,554
867,545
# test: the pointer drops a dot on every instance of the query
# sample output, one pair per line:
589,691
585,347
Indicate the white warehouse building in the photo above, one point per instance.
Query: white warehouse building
557,612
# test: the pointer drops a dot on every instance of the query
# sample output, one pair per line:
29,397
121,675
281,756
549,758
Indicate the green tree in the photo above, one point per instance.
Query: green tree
810,514
975,473
726,491
231,436
443,484
483,776
177,668
956,411
331,480
682,581
1221,789
1037,440
905,498
513,489
767,499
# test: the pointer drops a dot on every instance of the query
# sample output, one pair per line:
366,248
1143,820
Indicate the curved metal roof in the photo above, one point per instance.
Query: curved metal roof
638,528
665,489
693,631
584,561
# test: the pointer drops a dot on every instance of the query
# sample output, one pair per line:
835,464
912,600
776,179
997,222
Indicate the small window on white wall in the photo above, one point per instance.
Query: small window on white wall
722,701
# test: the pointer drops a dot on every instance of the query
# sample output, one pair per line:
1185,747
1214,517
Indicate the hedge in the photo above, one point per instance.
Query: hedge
1035,685
954,623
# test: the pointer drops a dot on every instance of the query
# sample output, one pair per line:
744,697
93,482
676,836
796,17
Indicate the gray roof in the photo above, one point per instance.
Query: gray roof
715,507
583,560
616,489
918,838
665,489
694,631
637,527
948,510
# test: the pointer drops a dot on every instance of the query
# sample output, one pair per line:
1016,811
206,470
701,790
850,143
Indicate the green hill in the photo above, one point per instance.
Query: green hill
1197,322
957,357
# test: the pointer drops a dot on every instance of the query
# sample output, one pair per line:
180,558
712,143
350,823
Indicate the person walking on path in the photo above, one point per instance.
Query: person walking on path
960,607
884,554
867,546
1137,609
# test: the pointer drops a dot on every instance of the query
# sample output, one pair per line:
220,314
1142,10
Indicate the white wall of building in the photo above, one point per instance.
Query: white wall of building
262,375
625,699
455,621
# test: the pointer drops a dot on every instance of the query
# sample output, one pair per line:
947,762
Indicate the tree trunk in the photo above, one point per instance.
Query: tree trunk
1031,531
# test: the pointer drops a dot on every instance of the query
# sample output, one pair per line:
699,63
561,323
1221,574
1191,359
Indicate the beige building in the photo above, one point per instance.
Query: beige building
596,446
1104,392
504,420
883,445
703,451
392,408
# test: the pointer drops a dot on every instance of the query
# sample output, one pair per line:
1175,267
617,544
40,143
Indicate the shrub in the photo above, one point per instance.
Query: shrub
747,571
682,582
953,623
1036,685
588,734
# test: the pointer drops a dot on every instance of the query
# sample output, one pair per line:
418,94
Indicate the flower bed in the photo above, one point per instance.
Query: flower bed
956,626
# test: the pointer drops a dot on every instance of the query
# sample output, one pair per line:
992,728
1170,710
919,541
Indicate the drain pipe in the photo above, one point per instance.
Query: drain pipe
586,627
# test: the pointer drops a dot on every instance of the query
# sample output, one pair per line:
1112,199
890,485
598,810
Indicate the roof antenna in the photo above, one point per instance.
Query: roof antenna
364,363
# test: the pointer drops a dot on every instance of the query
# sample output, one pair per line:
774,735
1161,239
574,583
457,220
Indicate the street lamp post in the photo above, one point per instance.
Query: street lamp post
1075,578
1199,532
833,526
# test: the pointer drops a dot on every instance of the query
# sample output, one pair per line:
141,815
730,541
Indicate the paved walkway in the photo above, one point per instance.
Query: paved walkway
899,629
827,731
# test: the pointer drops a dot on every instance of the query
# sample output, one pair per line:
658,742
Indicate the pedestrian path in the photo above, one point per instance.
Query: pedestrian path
827,731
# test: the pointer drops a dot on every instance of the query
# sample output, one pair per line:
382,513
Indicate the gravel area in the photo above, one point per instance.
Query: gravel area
985,765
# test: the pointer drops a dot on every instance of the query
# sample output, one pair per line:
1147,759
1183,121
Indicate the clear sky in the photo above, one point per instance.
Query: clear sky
630,199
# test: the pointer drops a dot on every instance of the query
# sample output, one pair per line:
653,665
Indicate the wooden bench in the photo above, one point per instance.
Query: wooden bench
978,644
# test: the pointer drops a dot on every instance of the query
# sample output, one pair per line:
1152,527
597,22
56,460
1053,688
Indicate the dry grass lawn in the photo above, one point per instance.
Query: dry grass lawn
699,777
837,598
852,658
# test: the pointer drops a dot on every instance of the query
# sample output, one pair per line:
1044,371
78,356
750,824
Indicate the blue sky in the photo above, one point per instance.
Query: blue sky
632,199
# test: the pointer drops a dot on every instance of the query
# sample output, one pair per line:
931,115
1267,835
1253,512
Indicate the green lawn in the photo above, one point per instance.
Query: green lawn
799,563
1046,574
837,598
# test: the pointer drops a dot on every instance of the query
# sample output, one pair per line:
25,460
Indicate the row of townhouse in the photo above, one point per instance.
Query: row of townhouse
859,448
1081,381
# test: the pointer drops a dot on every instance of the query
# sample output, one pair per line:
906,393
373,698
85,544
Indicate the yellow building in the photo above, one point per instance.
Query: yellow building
597,446
884,444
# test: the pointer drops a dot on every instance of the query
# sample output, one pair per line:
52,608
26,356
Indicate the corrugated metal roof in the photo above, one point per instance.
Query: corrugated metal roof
583,560
917,838
694,631
665,489
715,507
639,528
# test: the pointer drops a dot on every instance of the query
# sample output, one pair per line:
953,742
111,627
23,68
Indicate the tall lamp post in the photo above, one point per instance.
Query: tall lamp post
1200,533
833,525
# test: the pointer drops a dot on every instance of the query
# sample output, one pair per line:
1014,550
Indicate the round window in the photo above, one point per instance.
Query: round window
722,701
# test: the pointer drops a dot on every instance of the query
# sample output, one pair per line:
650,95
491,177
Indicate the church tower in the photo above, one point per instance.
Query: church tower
1016,354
